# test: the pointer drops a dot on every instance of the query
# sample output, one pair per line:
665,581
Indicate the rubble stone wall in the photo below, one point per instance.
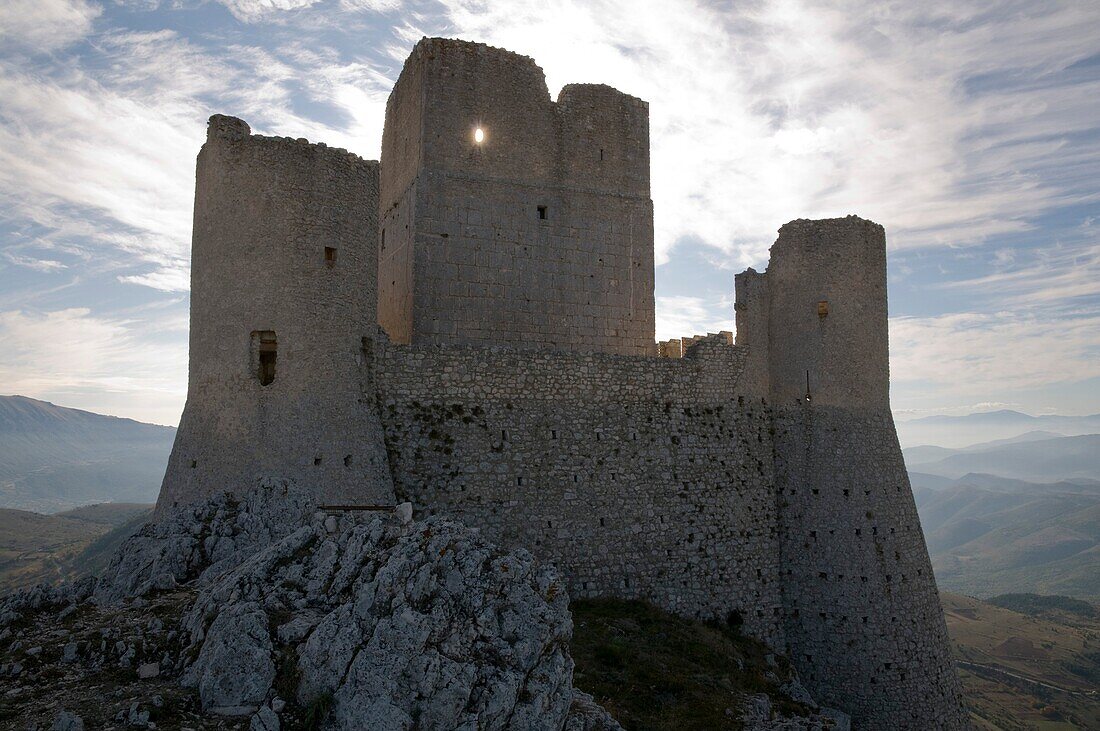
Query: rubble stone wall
637,476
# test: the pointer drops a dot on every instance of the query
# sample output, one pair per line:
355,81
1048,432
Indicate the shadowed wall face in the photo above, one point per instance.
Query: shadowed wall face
861,617
282,296
538,237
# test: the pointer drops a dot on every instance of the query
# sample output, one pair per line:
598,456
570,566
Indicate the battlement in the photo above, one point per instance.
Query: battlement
679,347
223,129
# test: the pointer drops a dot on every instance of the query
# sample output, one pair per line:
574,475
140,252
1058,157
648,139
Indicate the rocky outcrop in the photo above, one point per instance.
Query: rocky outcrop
201,541
395,625
260,613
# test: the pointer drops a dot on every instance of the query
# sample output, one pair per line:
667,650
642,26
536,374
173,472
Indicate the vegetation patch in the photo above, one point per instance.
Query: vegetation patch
655,671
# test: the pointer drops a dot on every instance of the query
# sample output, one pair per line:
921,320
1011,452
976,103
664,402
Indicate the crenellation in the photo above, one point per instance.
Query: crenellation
469,326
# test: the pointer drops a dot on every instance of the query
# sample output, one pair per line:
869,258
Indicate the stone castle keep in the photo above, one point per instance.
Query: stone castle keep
469,325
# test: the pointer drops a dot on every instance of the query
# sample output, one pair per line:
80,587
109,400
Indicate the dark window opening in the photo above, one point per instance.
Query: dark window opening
601,153
330,256
265,345
347,461
194,464
542,212
316,461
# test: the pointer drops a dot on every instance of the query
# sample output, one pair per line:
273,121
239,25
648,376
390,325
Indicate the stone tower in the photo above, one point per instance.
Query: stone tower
862,617
509,218
282,314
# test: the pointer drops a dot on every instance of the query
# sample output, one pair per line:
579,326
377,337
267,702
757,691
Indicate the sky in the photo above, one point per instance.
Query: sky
970,130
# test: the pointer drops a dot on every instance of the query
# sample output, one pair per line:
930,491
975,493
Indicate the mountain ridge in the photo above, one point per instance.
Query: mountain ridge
53,458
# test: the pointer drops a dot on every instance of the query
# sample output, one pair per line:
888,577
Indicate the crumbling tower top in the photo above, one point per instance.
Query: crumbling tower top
536,232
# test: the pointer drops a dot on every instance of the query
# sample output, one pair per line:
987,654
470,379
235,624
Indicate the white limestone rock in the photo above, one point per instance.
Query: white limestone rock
203,540
235,667
422,625
264,720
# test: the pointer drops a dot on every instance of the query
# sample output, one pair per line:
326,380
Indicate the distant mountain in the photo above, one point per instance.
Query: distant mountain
1014,536
54,458
958,432
1032,459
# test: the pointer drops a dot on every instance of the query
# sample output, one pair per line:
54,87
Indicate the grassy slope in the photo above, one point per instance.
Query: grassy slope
985,542
51,548
658,672
1052,647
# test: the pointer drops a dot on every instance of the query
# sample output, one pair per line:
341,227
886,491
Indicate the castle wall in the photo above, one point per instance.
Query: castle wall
639,477
541,236
282,289
862,618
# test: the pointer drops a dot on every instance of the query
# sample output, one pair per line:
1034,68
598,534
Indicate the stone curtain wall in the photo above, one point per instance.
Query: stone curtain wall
639,477
488,270
266,209
540,237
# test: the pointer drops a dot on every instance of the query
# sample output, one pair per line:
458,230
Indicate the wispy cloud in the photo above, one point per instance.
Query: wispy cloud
45,25
42,265
79,359
962,354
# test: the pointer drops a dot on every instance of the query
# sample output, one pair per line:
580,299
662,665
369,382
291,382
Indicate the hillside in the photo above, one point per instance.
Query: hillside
994,541
1027,671
54,458
52,548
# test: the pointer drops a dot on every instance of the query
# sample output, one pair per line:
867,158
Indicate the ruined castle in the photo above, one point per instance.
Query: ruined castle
468,325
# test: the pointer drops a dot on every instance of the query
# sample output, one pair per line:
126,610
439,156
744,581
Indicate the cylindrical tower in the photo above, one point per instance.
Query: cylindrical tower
862,614
283,303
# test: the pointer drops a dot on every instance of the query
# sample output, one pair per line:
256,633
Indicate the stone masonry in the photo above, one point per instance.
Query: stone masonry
468,326
541,235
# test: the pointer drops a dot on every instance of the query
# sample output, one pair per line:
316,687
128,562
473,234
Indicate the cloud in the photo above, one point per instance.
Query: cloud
252,11
791,108
959,355
45,25
41,265
72,355
1056,277
681,316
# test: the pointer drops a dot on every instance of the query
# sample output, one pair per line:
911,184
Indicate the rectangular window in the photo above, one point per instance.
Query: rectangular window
265,346
542,212
330,256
